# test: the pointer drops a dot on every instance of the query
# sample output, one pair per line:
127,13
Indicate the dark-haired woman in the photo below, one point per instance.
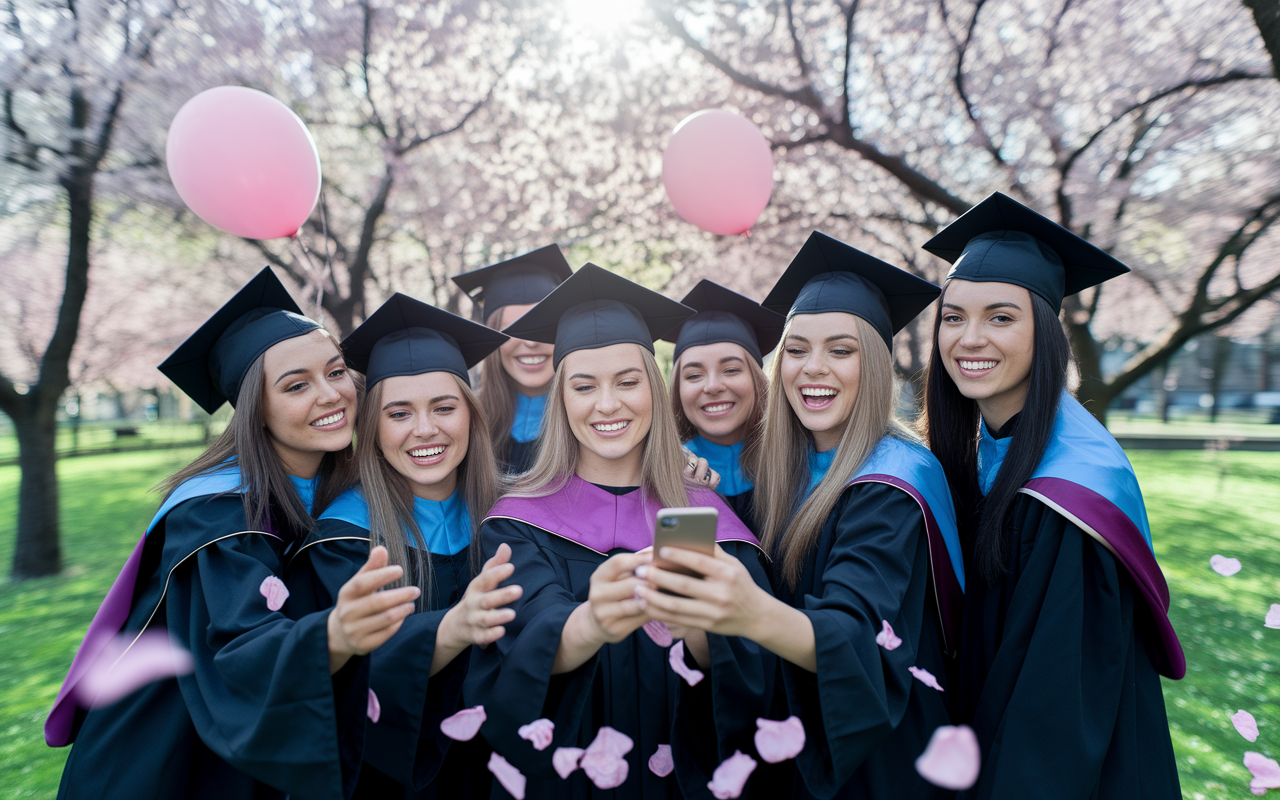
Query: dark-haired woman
425,463
275,704
858,520
1066,630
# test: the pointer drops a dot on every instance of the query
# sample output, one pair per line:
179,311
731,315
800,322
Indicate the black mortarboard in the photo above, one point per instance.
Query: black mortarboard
726,316
408,337
596,308
517,281
829,275
1002,240
211,364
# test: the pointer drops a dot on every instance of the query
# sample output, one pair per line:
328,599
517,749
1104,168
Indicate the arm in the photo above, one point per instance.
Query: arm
611,613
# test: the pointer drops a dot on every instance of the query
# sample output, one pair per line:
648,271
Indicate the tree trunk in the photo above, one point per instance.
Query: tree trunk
36,552
1095,394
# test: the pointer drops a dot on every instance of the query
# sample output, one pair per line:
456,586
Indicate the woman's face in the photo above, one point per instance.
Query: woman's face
986,337
821,367
309,401
423,428
609,402
717,392
528,363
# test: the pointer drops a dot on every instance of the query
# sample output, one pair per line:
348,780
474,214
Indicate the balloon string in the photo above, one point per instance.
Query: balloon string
315,274
312,272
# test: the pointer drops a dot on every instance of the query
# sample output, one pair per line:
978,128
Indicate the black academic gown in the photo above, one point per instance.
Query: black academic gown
866,718
260,717
519,456
406,755
628,686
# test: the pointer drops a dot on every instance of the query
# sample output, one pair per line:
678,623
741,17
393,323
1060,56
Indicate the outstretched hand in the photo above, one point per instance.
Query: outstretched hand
364,617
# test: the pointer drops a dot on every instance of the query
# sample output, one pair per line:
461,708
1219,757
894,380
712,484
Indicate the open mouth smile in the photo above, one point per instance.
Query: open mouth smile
611,429
974,367
718,409
817,398
332,422
426,456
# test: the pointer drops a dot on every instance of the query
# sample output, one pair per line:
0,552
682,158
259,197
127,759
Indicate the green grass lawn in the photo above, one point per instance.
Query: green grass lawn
1200,504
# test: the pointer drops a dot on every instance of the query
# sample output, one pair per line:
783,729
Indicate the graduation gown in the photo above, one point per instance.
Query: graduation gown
260,716
735,487
1062,655
522,447
888,551
557,542
406,755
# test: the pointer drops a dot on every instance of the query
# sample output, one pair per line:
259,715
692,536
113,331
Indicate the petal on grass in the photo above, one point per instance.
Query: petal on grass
778,741
1265,771
691,676
540,732
464,725
1226,567
565,760
374,711
275,591
658,632
511,778
661,763
1273,616
729,778
886,638
1246,725
951,759
925,677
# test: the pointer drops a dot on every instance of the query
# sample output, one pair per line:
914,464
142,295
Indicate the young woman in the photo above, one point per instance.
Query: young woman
1066,630
515,378
427,475
859,522
204,571
575,654
718,388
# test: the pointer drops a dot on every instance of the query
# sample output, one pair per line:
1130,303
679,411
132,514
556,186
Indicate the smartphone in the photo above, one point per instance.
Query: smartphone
690,528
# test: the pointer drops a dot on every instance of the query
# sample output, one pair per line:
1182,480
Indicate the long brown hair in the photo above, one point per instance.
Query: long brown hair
390,498
269,497
791,522
686,430
497,392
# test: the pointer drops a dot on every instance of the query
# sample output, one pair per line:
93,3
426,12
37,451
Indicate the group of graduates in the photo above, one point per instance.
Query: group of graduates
441,548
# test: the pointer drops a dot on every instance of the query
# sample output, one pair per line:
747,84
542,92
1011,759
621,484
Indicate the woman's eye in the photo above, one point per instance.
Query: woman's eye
693,376
841,351
444,409
733,371
795,351
338,373
583,387
629,384
951,318
296,387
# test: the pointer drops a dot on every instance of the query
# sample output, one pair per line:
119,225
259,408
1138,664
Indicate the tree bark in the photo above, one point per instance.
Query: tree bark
1266,15
36,551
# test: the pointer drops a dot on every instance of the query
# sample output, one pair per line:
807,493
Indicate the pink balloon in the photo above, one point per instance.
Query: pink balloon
243,162
718,171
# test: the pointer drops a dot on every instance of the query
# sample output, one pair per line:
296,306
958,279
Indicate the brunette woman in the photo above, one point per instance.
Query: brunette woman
276,702
718,389
1066,631
575,654
858,519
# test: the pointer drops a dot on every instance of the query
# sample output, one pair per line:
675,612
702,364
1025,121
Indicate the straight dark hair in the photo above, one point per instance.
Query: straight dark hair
950,426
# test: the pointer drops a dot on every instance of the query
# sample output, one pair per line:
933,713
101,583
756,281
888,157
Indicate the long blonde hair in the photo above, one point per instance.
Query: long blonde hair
754,425
390,498
497,392
791,522
662,470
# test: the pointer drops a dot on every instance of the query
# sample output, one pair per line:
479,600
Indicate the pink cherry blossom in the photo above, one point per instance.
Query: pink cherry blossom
778,741
565,760
661,763
125,665
464,725
886,638
603,760
925,677
375,708
511,778
1224,566
951,759
275,591
729,778
1273,616
658,632
1265,771
540,732
1246,725
676,658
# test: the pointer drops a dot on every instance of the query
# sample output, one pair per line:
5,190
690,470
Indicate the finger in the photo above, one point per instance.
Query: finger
680,610
491,577
359,630
378,602
503,556
713,479
617,565
700,563
364,583
609,613
614,591
502,616
700,469
500,597
490,635
377,559
681,584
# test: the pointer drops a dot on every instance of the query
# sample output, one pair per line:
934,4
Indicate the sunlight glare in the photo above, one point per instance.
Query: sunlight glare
602,15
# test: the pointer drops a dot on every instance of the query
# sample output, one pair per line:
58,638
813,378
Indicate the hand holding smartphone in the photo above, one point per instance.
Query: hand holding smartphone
690,528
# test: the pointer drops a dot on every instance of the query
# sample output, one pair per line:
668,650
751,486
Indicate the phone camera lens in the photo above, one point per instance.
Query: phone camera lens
670,522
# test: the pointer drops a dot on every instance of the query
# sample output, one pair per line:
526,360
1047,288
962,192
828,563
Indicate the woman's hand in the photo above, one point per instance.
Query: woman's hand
478,618
726,600
612,612
700,472
365,617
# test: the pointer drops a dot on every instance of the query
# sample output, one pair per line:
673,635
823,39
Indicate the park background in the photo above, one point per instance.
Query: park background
456,134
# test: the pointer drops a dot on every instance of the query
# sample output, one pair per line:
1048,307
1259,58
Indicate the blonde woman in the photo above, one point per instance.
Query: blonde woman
858,519
575,654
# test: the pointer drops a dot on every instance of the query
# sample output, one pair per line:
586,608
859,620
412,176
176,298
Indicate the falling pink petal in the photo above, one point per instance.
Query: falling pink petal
1224,566
565,760
603,760
511,778
661,763
676,658
951,759
885,637
658,632
925,677
1273,616
274,590
464,725
1246,725
778,741
540,732
375,708
125,665
729,778
1265,771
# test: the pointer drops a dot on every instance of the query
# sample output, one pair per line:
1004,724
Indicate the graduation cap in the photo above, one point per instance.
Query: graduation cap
211,364
596,308
408,337
1002,240
521,280
726,316
829,275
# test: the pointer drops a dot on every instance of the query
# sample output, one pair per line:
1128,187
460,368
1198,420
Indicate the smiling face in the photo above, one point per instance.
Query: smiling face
608,399
528,363
308,402
423,427
986,336
820,368
717,391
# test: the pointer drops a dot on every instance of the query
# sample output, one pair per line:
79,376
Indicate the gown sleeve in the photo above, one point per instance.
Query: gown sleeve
260,696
